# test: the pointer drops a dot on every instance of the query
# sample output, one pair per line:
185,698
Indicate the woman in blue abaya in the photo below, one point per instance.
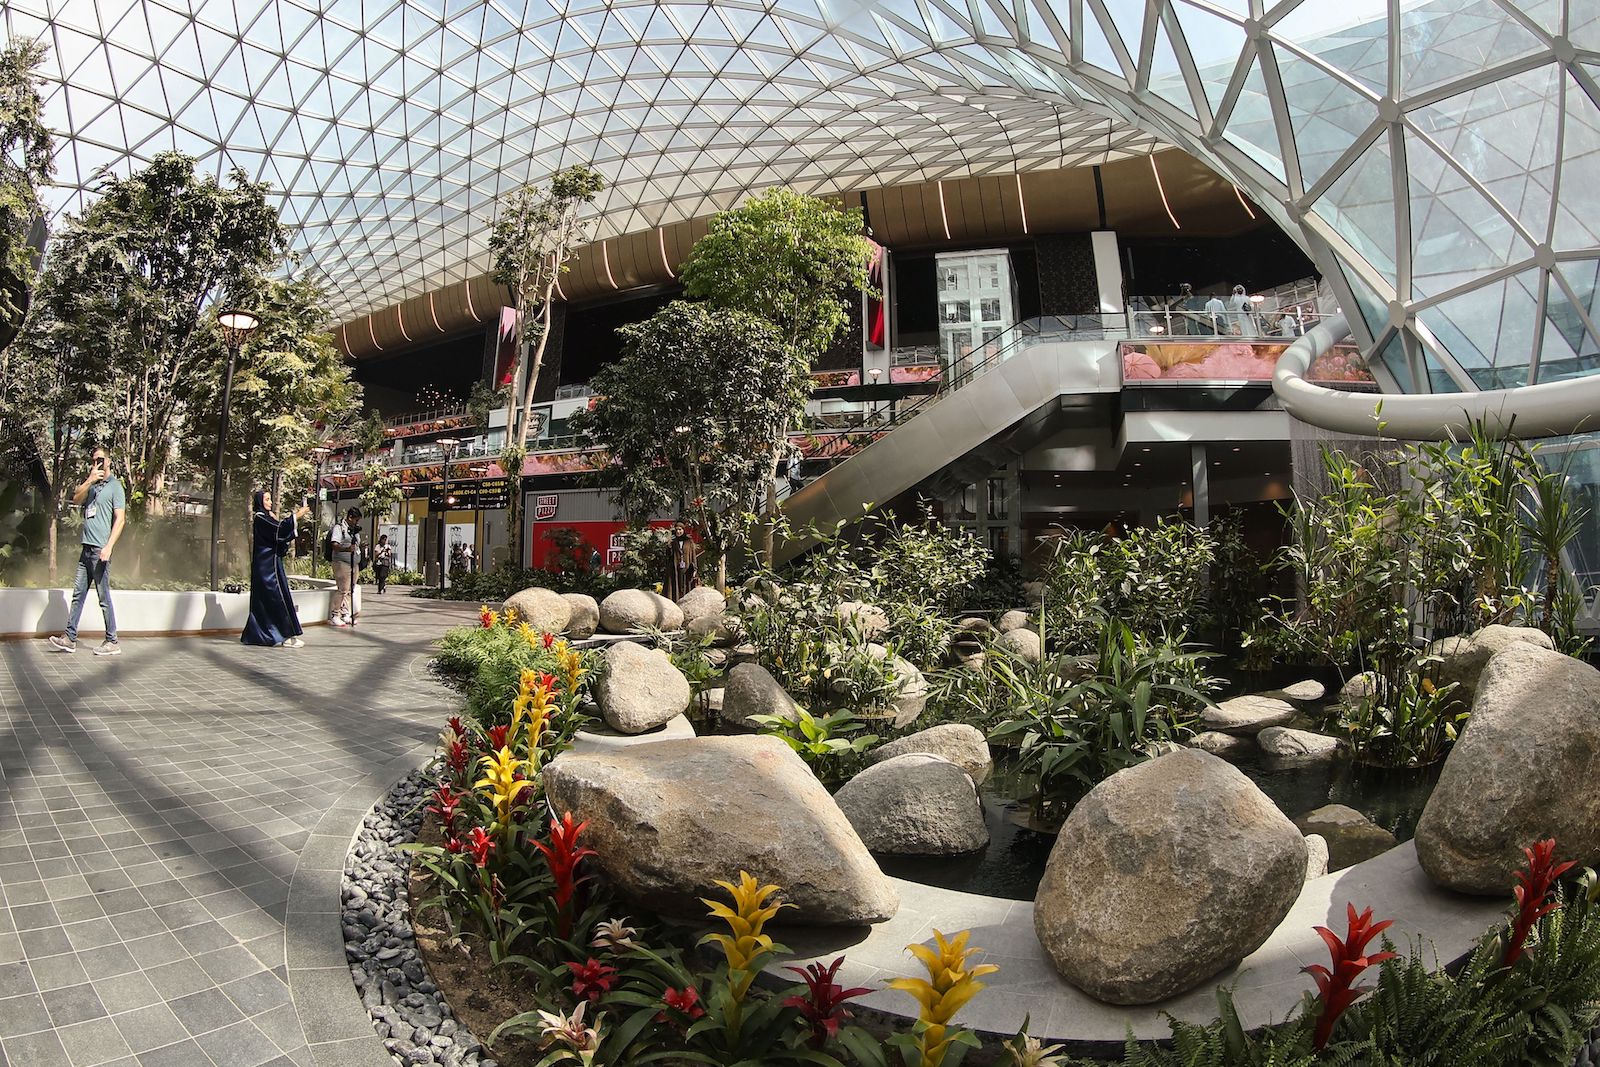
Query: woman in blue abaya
273,620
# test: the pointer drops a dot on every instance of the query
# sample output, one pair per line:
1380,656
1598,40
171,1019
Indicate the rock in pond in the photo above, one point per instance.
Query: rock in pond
1524,770
628,611
871,620
1015,619
543,609
957,742
671,818
1316,856
915,805
1462,659
1164,875
640,688
700,602
585,619
1247,714
911,694
1352,838
1024,645
752,690
1297,746
1308,691
1228,746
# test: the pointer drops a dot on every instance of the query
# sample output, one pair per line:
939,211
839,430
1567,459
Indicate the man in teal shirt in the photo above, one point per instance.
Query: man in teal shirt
105,510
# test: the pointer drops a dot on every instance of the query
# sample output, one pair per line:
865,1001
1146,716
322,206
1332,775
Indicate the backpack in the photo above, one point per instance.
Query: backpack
327,546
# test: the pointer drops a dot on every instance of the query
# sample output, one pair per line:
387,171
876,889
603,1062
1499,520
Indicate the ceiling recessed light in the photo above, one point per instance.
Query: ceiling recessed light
1236,448
1146,449
1138,464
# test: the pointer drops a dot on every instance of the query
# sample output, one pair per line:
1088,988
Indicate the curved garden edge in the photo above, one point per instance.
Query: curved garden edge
337,1025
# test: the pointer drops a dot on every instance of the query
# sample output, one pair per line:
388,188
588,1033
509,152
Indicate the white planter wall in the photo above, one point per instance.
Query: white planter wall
38,612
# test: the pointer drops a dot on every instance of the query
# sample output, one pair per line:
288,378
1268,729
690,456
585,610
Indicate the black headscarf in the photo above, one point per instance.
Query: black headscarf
258,501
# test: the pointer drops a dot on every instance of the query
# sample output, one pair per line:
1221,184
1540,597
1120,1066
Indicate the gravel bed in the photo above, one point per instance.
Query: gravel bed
1589,1054
406,1007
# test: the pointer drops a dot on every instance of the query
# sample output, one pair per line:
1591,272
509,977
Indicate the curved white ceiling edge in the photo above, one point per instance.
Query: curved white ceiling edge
1554,409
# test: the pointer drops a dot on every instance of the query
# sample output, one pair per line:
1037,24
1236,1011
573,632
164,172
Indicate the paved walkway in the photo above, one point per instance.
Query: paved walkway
172,827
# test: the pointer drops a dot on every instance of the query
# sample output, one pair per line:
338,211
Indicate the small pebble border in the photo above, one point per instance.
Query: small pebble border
1589,1054
407,1009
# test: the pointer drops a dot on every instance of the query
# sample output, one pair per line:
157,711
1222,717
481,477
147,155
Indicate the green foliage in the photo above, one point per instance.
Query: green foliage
1151,578
380,491
1079,722
22,530
1412,724
826,744
690,415
1226,1043
26,151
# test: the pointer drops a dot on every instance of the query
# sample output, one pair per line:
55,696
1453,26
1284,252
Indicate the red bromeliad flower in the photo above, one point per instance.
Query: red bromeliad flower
591,980
549,640
497,737
486,618
823,1004
444,805
1336,988
685,1002
454,846
481,845
1533,894
456,727
563,854
457,758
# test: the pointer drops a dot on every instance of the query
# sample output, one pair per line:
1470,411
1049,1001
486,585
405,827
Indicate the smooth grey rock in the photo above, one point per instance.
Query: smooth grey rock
1308,691
959,743
1462,660
1015,619
723,629
975,628
1524,770
628,611
871,620
1351,837
670,819
1021,644
1358,688
911,693
915,805
543,609
602,736
1164,875
640,688
700,602
1247,714
585,618
1316,856
1228,746
752,690
1297,746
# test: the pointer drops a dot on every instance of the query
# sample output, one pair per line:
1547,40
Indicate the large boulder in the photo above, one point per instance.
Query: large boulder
752,690
1351,837
1462,659
543,609
1015,619
628,611
669,819
1524,769
871,620
1247,714
974,628
1307,691
585,618
911,693
1289,746
915,805
1164,875
957,742
700,602
640,688
1021,644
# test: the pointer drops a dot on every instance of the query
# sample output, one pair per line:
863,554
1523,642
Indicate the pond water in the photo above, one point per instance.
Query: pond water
1014,860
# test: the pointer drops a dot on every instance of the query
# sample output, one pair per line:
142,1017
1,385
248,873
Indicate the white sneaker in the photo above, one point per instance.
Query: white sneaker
294,642
61,644
337,621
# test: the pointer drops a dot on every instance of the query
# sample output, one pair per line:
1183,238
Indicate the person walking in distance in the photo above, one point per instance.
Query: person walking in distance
105,512
346,542
382,560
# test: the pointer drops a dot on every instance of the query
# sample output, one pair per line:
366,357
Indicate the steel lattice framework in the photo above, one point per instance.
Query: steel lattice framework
1440,159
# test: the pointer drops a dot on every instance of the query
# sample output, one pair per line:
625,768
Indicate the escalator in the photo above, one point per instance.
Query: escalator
1026,386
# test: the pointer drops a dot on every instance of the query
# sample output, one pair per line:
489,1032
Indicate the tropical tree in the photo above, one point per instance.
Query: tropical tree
787,258
380,491
26,148
537,230
148,259
686,416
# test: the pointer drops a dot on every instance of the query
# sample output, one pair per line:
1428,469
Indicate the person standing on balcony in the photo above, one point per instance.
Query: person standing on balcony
346,540
1239,307
105,511
1217,312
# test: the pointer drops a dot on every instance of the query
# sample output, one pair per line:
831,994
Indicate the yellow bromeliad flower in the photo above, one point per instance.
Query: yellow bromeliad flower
746,943
503,785
949,986
570,662
510,617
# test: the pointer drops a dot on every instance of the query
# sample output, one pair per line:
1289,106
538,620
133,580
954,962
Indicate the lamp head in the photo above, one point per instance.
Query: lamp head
237,326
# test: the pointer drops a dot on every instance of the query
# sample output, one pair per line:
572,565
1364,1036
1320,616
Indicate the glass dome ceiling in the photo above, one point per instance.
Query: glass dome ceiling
1439,159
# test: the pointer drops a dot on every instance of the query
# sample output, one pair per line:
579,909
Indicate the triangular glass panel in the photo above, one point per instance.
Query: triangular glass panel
1578,214
1352,36
1456,234
1166,77
1215,44
1328,114
1250,126
1583,27
1360,206
1563,319
1489,331
1444,42
1097,50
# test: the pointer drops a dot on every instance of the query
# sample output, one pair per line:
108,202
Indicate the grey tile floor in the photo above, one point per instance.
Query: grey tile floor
154,812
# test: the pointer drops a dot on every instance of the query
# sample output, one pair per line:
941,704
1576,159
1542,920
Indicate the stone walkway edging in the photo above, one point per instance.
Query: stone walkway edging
337,1025
1267,985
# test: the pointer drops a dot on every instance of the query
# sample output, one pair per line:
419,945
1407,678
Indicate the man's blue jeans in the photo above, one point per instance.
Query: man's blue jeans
92,568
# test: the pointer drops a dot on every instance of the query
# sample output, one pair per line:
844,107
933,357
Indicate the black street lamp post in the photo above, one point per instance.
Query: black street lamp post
447,446
321,452
237,326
